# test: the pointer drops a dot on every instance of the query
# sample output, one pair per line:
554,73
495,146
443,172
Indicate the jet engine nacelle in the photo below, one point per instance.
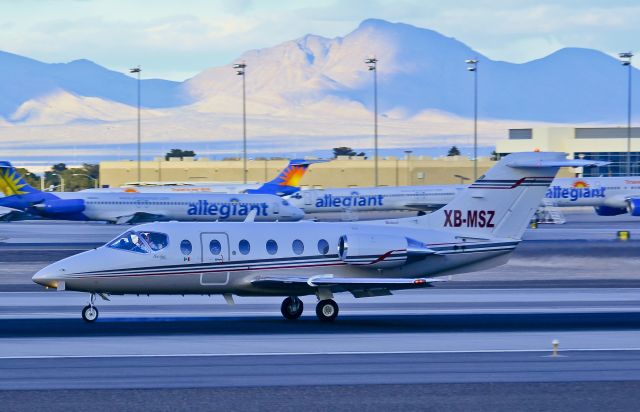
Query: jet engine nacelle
380,251
60,206
633,207
610,211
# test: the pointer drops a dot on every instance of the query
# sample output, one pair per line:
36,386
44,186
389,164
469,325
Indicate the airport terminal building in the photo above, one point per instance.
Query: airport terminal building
341,172
599,143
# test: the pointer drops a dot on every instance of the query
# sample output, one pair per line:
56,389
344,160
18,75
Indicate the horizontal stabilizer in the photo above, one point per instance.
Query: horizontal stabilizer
556,163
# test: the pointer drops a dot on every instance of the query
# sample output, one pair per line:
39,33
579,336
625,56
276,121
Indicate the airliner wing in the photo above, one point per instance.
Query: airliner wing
139,217
6,212
424,207
358,287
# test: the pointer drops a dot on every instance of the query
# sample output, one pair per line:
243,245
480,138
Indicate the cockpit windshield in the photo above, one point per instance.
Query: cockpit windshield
140,242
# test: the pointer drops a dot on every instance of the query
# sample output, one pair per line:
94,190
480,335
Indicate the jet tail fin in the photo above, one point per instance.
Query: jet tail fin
12,183
288,180
502,202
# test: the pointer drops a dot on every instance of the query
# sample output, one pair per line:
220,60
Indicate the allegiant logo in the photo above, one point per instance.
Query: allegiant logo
574,193
224,210
355,199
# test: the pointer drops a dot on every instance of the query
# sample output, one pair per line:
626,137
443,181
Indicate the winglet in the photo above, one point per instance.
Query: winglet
251,216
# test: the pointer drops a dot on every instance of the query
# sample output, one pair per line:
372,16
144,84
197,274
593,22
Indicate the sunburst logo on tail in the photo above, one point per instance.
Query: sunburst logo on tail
580,184
11,183
292,176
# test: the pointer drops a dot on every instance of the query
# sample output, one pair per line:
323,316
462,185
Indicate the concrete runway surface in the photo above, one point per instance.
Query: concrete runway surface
479,342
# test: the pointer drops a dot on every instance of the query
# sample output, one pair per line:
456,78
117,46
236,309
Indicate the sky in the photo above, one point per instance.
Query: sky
178,39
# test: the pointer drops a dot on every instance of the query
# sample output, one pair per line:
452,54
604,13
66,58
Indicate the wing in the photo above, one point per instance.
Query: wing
139,217
424,207
358,287
7,213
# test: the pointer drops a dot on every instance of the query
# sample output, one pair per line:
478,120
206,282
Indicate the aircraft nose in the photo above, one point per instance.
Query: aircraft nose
298,213
48,276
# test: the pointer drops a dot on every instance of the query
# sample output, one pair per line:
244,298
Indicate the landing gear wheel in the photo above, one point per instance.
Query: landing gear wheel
89,313
327,310
291,308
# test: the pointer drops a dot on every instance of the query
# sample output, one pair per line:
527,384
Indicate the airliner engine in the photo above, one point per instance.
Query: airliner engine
633,206
60,206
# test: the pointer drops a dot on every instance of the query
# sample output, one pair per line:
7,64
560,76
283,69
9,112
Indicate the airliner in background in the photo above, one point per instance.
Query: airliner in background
477,230
286,183
609,196
23,201
369,199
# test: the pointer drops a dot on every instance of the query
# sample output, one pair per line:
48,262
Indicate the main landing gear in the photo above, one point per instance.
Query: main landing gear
292,307
327,310
90,312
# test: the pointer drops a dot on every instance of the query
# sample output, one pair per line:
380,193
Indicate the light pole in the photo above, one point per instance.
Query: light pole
95,181
373,67
61,180
472,66
408,158
625,59
240,71
138,70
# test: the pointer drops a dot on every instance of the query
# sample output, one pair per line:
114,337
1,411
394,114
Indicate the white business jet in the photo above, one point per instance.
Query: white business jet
477,230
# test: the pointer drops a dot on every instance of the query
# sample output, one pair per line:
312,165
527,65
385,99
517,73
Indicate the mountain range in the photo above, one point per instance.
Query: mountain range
315,86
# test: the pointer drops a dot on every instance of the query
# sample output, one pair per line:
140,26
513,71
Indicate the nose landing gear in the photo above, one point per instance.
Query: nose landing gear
90,312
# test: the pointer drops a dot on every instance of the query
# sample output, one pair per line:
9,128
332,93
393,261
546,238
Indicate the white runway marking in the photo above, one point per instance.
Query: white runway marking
224,355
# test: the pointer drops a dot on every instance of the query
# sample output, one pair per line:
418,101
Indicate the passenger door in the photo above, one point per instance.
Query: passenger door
215,249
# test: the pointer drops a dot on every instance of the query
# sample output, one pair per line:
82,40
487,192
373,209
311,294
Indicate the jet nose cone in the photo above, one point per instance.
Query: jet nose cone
46,277
298,214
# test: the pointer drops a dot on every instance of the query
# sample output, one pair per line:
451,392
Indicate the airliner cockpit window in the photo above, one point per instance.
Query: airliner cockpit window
130,241
155,240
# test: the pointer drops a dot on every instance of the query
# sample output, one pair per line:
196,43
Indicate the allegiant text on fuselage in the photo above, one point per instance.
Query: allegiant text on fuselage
224,210
574,193
353,200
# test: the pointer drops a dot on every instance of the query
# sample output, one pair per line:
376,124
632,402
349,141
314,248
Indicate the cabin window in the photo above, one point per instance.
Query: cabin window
129,241
155,240
186,247
272,247
297,246
244,247
323,247
215,247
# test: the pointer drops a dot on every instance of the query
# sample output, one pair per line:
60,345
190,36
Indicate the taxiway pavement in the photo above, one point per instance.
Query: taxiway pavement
483,333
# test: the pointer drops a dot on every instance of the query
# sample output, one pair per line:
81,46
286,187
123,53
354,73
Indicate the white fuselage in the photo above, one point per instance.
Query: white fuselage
594,191
184,207
216,260
563,192
219,188
419,198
